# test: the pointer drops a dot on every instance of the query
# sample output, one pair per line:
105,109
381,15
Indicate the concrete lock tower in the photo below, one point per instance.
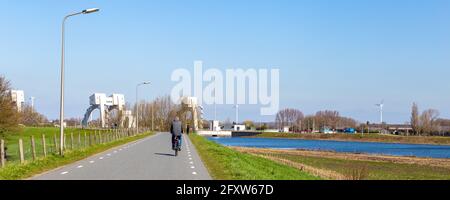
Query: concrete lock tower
106,105
18,98
190,106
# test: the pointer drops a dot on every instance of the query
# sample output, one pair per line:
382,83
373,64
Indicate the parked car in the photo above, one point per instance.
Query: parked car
350,130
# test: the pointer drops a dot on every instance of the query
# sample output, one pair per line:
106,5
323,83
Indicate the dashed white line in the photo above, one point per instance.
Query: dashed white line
108,154
91,161
195,173
192,167
190,158
81,166
62,173
191,163
101,158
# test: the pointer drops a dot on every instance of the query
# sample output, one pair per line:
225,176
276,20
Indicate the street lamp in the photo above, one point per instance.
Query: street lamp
61,113
137,104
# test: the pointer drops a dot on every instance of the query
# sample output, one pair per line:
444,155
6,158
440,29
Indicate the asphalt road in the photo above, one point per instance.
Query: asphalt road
151,158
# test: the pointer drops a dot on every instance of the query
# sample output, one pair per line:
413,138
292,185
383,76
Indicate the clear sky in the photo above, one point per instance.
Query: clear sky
344,55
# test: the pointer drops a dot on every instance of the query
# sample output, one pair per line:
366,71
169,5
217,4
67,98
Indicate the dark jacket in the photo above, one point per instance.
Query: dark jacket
176,128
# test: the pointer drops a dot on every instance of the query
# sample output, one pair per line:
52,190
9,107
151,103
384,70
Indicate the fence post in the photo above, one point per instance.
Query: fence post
79,140
71,141
85,139
102,138
44,147
90,139
55,144
95,138
65,139
2,153
22,158
33,148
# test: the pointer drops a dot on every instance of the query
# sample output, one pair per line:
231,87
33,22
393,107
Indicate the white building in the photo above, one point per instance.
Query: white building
215,125
239,127
18,98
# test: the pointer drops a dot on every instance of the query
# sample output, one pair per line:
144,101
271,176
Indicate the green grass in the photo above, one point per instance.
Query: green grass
21,171
376,170
373,137
12,140
226,164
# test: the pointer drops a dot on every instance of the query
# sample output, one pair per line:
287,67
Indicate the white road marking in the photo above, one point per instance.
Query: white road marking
101,158
195,173
81,166
192,167
64,173
108,154
91,161
191,163
115,151
190,158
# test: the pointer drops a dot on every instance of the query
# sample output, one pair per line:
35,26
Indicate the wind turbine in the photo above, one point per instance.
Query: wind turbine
237,113
380,105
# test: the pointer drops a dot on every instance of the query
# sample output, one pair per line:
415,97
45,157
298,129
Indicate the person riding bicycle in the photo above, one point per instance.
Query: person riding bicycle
176,130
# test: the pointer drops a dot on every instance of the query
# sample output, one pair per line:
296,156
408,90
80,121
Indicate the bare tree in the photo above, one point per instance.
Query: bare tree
9,117
428,121
288,117
415,121
31,117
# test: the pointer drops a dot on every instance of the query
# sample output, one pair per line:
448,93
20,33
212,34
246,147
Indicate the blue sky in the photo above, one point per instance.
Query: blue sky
343,55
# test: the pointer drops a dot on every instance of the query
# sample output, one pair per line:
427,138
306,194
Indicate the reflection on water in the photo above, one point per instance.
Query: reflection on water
417,150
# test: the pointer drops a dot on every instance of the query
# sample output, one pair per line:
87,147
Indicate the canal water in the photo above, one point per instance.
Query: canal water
394,149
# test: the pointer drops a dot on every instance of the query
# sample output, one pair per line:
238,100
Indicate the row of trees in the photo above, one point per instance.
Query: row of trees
426,123
158,113
296,120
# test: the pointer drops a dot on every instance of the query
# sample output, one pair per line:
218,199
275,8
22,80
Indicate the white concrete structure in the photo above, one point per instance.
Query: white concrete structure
214,125
190,104
215,133
18,98
239,127
106,105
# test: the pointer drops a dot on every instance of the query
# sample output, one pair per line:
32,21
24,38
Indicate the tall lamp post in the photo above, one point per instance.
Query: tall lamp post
61,113
137,103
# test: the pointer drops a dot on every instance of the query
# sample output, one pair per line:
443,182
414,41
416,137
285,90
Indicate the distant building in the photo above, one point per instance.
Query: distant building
391,128
286,129
214,125
18,98
239,127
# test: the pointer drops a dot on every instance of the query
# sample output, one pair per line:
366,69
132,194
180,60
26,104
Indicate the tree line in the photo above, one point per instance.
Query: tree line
427,122
297,121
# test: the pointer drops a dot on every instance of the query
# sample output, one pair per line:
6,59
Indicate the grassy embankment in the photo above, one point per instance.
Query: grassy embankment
362,138
351,167
14,170
226,164
12,140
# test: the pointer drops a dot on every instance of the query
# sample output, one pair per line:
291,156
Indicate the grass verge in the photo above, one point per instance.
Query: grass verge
373,137
23,171
25,133
227,164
